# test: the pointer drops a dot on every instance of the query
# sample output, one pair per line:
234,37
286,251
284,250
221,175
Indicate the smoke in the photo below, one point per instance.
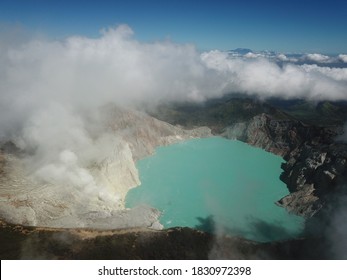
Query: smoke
336,230
61,149
52,92
342,137
82,72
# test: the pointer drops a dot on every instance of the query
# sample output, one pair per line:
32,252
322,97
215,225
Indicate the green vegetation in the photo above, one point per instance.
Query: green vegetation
324,113
216,114
220,113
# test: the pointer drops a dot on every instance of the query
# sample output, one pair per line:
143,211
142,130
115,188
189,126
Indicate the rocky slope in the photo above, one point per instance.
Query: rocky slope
315,163
28,200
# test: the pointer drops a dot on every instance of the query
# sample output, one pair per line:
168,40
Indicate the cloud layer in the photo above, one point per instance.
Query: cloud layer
82,73
260,75
51,91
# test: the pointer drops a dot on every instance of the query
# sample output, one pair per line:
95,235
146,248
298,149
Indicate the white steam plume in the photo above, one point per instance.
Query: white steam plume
50,90
85,73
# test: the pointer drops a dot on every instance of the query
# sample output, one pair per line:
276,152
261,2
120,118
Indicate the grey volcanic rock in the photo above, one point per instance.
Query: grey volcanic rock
131,135
278,136
301,202
314,166
319,170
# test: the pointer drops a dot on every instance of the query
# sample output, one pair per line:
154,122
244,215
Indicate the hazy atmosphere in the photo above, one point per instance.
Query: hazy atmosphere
76,79
82,73
51,57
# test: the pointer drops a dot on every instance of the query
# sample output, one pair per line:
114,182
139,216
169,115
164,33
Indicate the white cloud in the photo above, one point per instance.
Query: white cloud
85,73
343,57
253,55
337,74
47,86
264,78
284,58
319,58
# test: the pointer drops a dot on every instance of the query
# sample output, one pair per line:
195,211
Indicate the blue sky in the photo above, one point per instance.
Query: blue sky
288,26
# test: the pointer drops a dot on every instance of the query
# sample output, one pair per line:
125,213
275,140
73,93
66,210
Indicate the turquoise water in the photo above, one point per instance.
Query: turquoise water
217,185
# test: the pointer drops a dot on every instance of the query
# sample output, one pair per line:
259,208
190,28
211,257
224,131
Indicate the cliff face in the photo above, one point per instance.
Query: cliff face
315,164
314,173
278,136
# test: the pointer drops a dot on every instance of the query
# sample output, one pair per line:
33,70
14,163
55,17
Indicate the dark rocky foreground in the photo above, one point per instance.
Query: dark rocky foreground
20,242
